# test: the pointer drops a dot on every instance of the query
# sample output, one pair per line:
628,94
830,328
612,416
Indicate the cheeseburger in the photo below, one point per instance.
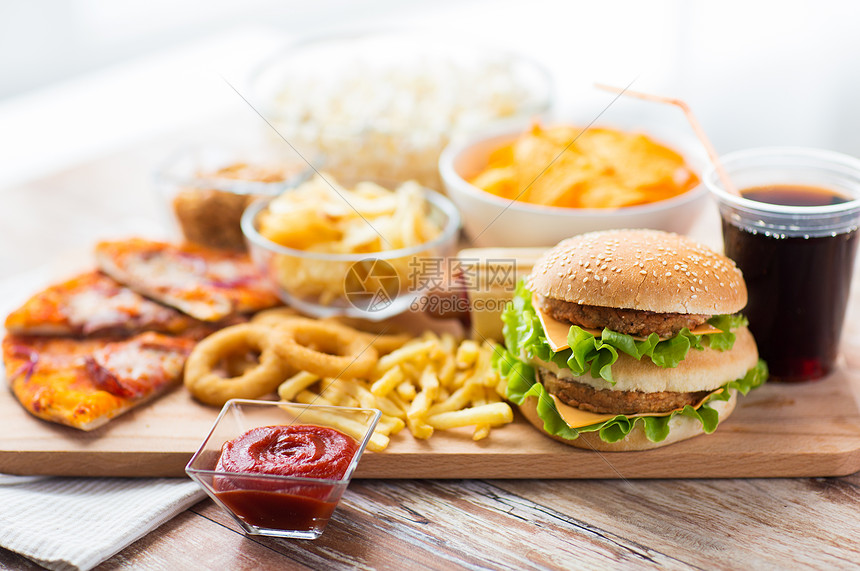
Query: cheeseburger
628,340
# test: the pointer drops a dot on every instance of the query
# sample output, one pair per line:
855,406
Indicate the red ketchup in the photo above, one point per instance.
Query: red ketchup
302,451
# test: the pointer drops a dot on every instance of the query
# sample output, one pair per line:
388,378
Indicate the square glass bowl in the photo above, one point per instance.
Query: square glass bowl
270,504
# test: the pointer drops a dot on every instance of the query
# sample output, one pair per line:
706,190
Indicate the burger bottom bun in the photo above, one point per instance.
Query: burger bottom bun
680,428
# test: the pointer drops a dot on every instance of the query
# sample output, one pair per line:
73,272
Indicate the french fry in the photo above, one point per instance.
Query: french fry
389,407
365,398
340,392
447,370
419,406
459,379
458,400
398,402
467,354
492,414
405,353
481,431
406,390
411,371
390,424
429,383
443,393
308,397
420,429
387,382
296,384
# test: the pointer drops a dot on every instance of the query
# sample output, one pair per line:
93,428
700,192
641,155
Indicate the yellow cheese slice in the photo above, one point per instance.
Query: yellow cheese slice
556,331
576,418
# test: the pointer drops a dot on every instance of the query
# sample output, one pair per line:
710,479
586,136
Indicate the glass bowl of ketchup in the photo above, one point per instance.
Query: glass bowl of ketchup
279,469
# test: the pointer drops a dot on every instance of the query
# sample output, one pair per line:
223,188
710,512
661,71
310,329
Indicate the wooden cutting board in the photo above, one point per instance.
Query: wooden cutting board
810,429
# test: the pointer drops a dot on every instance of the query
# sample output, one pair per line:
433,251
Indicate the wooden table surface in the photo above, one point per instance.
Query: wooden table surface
442,524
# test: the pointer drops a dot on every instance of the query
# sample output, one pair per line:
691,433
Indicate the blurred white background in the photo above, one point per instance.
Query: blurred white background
81,78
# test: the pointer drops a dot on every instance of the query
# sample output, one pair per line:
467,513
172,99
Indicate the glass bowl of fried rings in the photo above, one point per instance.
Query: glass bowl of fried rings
363,270
279,469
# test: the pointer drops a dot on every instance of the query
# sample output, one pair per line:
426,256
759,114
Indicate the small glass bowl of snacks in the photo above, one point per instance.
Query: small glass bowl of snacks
385,104
359,251
529,184
208,189
279,469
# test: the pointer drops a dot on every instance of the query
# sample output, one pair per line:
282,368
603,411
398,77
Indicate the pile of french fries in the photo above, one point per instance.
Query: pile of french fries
430,383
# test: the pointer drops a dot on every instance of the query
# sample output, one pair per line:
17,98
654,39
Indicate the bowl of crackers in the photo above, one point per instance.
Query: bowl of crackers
358,250
206,190
534,184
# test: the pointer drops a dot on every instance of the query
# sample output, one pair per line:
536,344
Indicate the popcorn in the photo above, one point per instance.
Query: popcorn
391,120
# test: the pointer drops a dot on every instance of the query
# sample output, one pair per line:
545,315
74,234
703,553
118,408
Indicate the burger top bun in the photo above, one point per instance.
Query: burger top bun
680,428
647,270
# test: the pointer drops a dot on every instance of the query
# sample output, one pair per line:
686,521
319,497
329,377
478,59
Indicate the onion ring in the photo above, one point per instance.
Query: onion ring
275,316
374,334
384,344
324,348
212,388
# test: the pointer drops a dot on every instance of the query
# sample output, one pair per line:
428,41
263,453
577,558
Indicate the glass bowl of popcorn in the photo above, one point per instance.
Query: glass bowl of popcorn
384,105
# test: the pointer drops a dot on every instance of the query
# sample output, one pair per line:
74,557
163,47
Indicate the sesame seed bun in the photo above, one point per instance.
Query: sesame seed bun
647,270
680,428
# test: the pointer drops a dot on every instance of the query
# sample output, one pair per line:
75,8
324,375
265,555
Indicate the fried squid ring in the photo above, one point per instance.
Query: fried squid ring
325,349
229,349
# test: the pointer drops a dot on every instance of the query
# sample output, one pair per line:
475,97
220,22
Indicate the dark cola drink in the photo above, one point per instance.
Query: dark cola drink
798,285
792,230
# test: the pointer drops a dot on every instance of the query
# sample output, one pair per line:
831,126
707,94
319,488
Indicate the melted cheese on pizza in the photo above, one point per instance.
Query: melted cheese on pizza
207,284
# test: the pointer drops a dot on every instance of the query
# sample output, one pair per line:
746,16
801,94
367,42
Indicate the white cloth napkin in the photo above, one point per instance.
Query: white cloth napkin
76,523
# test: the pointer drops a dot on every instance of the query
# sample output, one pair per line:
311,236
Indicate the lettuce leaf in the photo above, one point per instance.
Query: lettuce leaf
524,337
522,384
725,340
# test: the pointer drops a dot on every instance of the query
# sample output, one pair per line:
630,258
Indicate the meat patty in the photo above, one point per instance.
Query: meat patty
629,321
588,398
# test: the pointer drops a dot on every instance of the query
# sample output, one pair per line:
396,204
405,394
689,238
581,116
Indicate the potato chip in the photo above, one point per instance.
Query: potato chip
596,168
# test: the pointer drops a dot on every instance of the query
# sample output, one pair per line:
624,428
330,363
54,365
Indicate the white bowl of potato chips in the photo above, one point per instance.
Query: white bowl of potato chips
535,185
360,251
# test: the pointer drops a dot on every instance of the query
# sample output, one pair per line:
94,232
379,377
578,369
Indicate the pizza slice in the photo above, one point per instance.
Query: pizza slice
93,304
207,284
83,383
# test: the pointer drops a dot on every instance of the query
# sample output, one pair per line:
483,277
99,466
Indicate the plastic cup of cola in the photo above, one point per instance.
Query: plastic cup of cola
792,230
